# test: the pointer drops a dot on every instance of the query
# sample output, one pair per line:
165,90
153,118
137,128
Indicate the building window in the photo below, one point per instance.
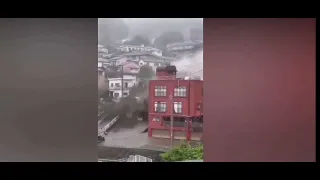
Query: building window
117,84
111,84
160,91
116,95
160,106
177,107
125,94
180,92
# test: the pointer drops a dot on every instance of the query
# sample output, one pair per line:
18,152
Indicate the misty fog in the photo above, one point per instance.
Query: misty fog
190,65
148,27
153,27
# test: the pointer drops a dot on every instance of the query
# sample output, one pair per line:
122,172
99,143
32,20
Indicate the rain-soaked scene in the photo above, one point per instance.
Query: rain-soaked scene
150,78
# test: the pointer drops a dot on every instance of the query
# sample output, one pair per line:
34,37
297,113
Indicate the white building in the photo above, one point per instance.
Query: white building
102,49
143,58
142,48
102,62
103,52
115,86
185,49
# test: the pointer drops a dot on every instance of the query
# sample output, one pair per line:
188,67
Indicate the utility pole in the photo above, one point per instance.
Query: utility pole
171,120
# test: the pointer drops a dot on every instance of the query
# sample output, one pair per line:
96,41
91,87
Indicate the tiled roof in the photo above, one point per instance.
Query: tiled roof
137,54
185,43
115,58
145,47
102,59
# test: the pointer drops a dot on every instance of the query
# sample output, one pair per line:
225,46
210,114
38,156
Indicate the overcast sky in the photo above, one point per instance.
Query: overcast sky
153,27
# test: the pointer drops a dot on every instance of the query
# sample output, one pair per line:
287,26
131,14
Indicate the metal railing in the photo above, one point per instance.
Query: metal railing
102,130
113,160
131,158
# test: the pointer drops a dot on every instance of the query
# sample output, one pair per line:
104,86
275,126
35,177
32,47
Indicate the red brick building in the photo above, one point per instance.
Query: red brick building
181,98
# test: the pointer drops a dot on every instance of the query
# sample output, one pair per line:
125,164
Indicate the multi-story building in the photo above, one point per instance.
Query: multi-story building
142,48
142,58
179,99
129,70
103,52
102,62
186,48
115,86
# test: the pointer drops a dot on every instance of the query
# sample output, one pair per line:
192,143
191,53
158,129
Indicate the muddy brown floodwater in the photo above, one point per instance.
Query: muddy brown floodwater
131,136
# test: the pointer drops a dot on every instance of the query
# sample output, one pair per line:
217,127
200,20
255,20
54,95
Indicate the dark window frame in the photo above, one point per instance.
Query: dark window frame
160,91
160,107
179,107
180,91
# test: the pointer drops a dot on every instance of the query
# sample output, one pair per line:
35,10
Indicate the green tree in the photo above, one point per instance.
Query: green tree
146,72
184,152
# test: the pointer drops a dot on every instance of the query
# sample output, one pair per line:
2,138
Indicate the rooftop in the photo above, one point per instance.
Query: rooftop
139,54
185,43
145,47
115,58
102,59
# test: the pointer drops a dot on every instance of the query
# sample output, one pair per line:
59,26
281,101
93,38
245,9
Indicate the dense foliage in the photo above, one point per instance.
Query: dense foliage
184,152
146,72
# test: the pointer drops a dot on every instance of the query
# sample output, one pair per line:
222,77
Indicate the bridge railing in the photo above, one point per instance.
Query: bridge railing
114,120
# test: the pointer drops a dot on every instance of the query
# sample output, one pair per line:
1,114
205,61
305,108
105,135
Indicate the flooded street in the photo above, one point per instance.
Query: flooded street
133,137
125,137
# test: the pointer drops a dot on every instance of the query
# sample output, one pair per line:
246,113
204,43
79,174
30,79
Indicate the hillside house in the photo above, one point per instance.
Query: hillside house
142,48
186,48
143,58
103,52
115,87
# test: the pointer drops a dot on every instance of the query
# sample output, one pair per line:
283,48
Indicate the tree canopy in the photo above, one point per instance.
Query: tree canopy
184,152
146,72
